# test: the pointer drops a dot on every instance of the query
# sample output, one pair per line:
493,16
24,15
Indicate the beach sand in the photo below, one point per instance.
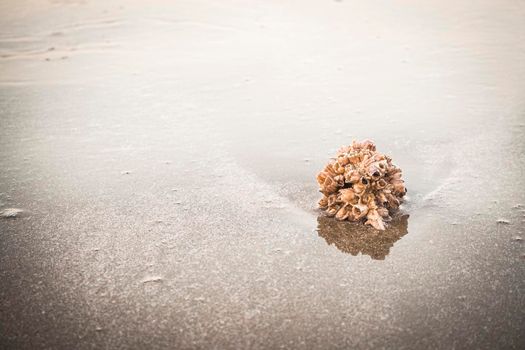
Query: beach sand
162,157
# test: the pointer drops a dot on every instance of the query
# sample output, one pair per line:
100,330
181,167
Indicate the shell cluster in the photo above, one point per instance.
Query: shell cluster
361,184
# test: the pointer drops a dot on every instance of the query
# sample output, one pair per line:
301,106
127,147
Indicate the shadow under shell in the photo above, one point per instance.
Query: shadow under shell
354,237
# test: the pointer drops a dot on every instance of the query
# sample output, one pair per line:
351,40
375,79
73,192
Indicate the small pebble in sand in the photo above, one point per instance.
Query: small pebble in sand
518,238
152,279
10,213
126,172
503,221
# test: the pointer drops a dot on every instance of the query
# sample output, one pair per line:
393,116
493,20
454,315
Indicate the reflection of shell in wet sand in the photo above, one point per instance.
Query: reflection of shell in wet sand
353,238
361,184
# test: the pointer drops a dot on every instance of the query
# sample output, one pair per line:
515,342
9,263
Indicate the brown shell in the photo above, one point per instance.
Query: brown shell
361,184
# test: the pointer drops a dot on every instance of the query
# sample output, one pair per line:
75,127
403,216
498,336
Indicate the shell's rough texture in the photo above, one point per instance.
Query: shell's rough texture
361,184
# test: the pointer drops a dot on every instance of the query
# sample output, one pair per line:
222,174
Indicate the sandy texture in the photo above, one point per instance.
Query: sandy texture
164,157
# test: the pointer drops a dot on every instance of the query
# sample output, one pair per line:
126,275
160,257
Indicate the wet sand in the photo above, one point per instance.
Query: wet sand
164,159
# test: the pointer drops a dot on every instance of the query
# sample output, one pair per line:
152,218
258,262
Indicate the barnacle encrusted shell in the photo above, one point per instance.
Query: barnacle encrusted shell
361,184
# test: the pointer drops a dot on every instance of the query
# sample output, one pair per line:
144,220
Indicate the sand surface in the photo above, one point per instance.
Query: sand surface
158,162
